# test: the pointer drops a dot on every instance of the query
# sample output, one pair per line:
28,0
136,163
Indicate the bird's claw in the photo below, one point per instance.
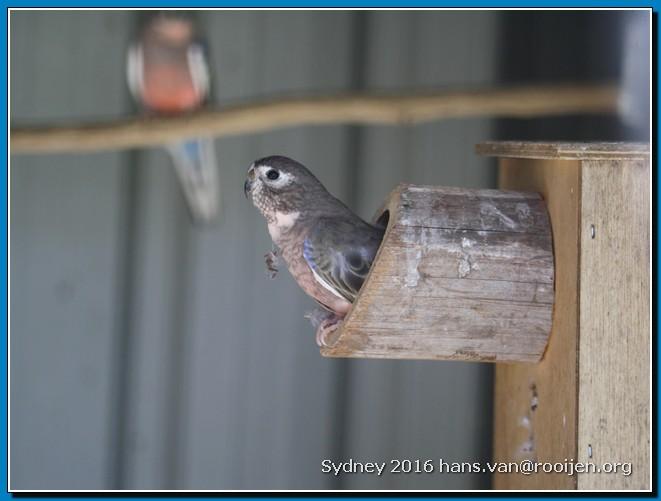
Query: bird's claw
327,327
325,322
271,259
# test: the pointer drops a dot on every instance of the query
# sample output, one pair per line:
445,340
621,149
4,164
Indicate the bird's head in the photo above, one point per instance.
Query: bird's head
280,185
170,29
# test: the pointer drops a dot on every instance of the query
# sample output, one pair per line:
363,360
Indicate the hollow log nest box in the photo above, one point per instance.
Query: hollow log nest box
461,274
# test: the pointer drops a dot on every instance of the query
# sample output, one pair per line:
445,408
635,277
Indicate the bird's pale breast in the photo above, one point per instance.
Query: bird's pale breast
170,89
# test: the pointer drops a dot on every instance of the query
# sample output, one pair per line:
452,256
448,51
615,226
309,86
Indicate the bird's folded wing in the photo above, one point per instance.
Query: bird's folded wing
134,71
340,252
198,67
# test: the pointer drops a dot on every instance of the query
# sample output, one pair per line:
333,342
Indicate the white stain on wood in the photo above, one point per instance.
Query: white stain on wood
489,209
412,264
464,266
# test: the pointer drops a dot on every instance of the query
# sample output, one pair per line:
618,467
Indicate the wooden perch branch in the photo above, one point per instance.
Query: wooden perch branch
528,101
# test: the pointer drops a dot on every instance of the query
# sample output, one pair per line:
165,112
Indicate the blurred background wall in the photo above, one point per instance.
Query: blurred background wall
148,353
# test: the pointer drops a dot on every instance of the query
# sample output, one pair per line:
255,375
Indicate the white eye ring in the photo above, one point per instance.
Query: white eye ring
282,178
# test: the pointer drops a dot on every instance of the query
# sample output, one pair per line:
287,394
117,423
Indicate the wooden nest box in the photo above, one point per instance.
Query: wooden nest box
461,274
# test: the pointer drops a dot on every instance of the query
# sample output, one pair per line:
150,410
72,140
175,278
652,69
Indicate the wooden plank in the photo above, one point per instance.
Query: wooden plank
565,151
492,210
472,255
535,415
448,287
614,369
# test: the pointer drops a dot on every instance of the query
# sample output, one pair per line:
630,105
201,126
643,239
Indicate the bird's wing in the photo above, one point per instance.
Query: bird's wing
340,252
199,69
134,70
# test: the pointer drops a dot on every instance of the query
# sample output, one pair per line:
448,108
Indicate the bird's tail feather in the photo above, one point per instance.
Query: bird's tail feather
197,170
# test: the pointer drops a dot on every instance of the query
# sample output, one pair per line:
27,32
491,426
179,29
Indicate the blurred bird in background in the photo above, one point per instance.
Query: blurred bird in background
328,249
168,74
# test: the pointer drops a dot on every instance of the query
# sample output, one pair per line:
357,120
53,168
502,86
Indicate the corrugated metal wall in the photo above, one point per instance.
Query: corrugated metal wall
146,353
68,220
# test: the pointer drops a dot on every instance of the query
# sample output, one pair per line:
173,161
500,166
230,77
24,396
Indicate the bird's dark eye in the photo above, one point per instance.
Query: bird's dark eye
273,174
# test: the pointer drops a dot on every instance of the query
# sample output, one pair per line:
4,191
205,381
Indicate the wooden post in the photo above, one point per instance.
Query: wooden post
589,398
461,275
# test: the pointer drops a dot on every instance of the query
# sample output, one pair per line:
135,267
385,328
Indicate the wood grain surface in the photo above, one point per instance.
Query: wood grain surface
614,368
252,117
535,413
566,151
588,400
461,275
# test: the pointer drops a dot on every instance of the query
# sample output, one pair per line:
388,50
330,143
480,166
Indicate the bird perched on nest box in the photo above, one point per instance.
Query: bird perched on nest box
328,249
168,75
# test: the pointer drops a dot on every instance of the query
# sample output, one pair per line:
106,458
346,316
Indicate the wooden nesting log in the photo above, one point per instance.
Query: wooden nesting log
462,274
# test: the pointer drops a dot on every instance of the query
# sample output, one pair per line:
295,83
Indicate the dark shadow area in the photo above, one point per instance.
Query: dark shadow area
577,46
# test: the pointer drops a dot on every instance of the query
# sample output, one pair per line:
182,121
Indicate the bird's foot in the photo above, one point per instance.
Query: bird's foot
272,260
325,322
326,329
